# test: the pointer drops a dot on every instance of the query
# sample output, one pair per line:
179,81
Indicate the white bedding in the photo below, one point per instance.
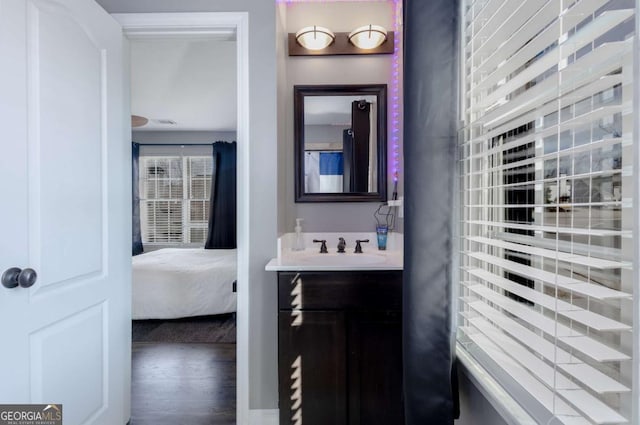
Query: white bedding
182,282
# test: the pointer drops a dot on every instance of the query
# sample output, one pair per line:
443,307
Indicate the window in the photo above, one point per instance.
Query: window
174,198
546,296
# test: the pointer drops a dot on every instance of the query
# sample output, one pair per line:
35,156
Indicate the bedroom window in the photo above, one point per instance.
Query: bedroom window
547,297
174,198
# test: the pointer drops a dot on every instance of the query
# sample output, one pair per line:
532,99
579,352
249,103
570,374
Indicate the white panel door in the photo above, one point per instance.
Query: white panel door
65,210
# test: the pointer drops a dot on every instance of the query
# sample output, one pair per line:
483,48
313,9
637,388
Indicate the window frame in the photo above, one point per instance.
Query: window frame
187,224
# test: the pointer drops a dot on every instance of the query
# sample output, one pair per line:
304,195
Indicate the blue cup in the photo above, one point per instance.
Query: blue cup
381,232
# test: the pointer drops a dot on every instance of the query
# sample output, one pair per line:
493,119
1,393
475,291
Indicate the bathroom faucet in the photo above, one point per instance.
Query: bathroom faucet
341,245
323,246
358,249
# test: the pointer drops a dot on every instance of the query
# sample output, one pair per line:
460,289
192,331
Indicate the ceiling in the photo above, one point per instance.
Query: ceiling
191,82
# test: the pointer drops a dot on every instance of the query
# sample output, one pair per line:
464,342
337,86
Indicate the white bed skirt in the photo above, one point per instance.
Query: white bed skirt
181,282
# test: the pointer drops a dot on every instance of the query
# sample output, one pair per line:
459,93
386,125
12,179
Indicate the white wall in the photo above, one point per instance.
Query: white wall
371,69
262,185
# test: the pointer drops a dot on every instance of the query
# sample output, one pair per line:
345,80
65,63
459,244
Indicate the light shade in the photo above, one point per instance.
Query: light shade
368,36
315,38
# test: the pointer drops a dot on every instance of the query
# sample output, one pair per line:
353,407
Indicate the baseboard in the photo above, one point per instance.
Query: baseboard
264,416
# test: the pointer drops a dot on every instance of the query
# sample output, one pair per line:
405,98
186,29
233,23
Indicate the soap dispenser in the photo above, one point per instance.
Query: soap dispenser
298,243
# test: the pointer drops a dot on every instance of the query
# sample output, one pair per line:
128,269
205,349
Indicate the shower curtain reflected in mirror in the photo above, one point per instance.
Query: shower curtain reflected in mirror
323,172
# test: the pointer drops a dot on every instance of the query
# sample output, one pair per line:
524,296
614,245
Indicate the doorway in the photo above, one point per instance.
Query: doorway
169,26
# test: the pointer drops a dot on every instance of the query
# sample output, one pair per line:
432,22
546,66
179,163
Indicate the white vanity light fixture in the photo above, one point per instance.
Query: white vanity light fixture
368,36
315,37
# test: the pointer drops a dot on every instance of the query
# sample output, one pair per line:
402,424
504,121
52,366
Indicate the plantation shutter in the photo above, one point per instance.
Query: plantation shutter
175,185
162,195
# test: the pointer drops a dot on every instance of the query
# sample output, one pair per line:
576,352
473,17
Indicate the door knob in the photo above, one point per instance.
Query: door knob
17,277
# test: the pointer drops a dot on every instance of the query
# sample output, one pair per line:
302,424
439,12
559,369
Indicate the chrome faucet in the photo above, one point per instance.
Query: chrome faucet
341,245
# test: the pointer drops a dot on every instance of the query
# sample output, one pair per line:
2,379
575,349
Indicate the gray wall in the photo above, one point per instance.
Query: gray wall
262,183
475,409
374,69
323,133
283,153
172,137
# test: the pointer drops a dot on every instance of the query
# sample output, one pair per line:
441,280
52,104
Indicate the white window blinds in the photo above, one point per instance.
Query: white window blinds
175,187
546,293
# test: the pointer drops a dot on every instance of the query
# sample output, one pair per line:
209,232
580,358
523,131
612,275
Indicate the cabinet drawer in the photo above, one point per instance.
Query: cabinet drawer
375,290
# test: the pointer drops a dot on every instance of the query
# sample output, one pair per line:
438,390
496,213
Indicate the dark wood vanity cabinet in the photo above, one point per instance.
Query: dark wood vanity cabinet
340,348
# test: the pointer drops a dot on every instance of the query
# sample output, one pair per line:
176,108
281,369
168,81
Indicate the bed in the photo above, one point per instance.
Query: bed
181,282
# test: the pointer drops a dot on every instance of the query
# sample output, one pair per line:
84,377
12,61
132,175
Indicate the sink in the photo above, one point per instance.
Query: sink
310,259
340,259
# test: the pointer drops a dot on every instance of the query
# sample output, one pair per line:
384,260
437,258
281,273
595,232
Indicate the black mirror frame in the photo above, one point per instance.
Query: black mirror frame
299,93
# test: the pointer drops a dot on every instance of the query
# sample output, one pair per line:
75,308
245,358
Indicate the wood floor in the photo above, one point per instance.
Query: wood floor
183,384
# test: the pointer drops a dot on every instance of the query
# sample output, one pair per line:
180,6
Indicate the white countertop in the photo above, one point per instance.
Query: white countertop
310,258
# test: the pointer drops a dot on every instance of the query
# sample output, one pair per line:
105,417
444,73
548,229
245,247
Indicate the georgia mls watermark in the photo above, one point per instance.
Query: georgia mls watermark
30,414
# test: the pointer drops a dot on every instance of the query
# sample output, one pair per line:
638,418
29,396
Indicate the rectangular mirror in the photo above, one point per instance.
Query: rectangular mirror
340,138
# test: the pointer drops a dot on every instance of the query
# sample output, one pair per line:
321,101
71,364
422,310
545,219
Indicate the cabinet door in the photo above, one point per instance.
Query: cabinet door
375,369
312,367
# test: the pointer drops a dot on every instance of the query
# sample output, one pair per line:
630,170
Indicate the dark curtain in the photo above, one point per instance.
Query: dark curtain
347,160
135,191
222,210
430,117
361,126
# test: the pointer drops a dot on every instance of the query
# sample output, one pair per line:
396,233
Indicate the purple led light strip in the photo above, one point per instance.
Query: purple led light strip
395,95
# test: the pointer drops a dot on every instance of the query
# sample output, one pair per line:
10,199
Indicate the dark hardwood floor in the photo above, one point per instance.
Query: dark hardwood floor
183,384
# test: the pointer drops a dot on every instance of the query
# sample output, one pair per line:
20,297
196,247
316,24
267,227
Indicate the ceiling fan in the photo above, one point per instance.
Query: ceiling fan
138,121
